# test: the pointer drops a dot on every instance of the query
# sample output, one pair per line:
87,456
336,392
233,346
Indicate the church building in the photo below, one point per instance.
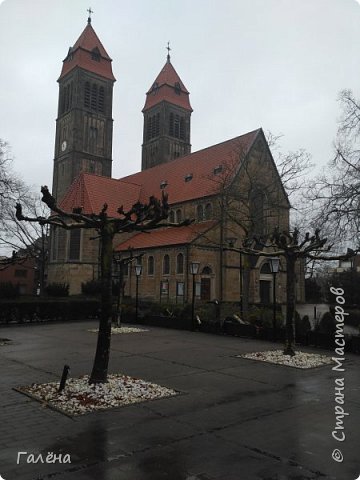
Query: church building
231,190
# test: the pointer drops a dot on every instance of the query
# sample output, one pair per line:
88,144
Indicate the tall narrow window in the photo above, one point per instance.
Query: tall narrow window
148,128
166,265
178,215
87,95
101,99
208,211
177,126
62,100
200,213
151,265
153,127
171,125
94,96
182,128
157,127
74,244
67,104
180,263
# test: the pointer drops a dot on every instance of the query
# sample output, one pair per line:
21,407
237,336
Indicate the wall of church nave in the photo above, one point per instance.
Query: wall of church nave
73,274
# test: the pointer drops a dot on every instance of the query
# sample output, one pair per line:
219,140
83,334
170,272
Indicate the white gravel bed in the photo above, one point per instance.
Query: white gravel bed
79,397
119,330
300,360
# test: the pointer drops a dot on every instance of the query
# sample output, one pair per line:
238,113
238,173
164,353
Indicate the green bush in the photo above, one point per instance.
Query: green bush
9,290
57,289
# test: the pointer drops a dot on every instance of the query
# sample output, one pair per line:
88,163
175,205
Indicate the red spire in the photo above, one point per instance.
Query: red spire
88,53
169,87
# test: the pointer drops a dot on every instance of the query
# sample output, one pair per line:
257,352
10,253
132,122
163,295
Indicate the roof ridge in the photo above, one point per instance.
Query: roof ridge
179,159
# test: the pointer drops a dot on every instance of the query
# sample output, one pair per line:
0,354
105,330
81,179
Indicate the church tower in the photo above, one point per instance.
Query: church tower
84,123
167,113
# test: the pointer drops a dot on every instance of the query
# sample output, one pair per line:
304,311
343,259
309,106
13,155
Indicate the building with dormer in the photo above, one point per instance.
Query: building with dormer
231,190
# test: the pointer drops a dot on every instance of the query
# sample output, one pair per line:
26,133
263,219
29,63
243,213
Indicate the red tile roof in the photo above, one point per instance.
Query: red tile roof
165,236
80,55
200,165
164,89
92,191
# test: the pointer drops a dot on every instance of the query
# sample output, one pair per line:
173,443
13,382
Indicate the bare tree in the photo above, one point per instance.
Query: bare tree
293,248
13,234
335,194
293,166
141,217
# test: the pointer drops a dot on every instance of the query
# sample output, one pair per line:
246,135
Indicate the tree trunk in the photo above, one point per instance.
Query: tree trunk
290,306
101,361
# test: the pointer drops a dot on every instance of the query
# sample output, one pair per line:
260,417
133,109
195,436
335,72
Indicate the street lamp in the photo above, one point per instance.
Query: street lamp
138,270
274,263
194,268
231,242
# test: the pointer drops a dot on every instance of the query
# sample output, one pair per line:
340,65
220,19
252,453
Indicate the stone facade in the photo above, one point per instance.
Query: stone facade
231,191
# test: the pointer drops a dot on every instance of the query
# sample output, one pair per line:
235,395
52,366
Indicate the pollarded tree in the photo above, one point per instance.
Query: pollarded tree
293,248
141,217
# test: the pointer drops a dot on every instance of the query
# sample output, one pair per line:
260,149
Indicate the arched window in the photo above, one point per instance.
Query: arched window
206,271
178,215
166,265
151,265
265,268
180,263
208,211
200,213
172,216
95,54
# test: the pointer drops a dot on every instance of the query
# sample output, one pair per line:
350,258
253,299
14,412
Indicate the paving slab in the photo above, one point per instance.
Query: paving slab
234,419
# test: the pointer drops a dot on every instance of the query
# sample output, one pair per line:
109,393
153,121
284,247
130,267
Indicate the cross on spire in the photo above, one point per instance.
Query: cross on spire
168,49
90,12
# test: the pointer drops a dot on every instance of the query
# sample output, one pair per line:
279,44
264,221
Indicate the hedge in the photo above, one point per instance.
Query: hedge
47,309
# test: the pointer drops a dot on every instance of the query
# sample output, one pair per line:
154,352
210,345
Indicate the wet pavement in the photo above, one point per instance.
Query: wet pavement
235,419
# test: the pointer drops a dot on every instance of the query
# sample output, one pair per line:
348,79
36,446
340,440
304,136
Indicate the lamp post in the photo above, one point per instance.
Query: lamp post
138,270
194,268
231,242
274,263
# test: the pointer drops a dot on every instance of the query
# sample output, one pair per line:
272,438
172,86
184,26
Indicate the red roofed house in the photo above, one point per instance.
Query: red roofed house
230,189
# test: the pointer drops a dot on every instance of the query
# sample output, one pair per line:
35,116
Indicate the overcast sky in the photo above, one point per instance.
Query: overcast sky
275,64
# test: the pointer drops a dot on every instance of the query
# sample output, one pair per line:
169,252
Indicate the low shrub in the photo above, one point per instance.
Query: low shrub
302,325
9,290
327,323
57,289
92,287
